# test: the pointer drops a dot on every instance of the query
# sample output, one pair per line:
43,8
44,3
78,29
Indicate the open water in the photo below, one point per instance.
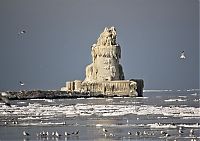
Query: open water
158,116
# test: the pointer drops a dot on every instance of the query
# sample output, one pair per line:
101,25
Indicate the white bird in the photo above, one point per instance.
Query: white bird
138,133
191,132
104,130
129,133
167,135
53,133
76,133
57,134
182,55
67,134
127,121
180,131
163,132
21,83
21,32
25,133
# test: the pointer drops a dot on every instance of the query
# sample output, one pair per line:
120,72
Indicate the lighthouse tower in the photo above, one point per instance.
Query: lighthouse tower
105,58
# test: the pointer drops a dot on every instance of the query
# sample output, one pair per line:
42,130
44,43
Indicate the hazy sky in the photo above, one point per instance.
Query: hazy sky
59,34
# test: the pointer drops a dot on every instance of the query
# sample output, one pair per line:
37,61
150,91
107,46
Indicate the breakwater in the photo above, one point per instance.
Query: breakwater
50,94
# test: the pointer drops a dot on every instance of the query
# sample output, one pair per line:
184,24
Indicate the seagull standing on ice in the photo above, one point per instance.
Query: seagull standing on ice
182,55
192,132
57,134
105,130
67,134
180,131
138,133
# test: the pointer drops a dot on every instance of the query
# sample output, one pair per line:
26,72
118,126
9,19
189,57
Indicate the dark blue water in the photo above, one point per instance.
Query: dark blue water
145,118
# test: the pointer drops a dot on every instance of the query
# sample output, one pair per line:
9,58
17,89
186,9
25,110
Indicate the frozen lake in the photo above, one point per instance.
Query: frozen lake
159,115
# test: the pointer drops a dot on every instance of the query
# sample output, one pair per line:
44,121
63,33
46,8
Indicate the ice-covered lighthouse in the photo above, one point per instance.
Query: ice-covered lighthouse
105,74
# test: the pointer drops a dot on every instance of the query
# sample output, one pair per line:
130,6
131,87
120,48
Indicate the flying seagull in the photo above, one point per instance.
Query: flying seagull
182,55
21,83
4,98
21,32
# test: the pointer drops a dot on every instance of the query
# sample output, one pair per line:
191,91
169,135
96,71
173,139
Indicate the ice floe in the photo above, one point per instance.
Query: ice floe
37,109
169,100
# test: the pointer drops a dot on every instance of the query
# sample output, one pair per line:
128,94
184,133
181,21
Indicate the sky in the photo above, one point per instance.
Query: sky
59,33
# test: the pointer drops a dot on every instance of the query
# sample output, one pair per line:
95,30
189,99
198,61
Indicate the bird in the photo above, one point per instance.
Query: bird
167,135
180,131
182,55
53,133
75,133
191,132
138,133
67,134
129,133
4,98
163,132
127,121
14,122
57,134
21,83
25,133
105,130
144,132
21,32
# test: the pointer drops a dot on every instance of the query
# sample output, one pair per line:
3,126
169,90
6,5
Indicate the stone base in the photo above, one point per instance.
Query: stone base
108,88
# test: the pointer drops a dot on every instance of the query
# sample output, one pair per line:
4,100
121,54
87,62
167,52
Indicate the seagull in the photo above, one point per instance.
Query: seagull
104,130
21,32
57,134
191,132
163,132
127,121
167,135
4,98
138,133
53,133
182,55
75,133
21,83
180,131
25,133
67,134
129,133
